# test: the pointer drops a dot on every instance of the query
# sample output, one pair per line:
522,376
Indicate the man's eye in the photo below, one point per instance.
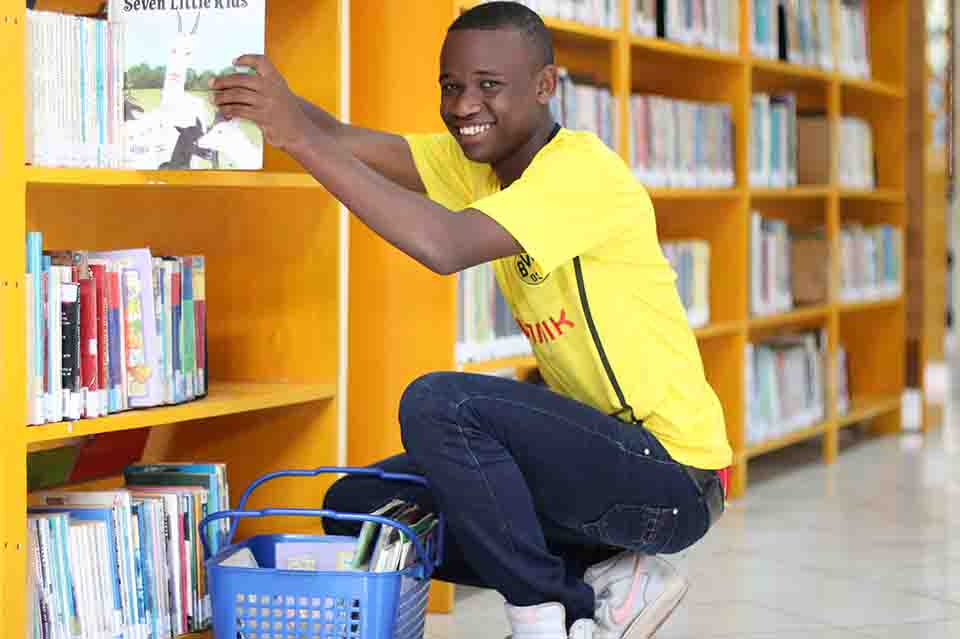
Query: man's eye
449,89
489,84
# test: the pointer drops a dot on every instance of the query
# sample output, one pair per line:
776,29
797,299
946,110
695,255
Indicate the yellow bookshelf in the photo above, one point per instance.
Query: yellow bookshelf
38,175
390,289
275,306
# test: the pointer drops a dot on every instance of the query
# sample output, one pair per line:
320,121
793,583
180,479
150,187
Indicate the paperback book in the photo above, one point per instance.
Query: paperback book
171,50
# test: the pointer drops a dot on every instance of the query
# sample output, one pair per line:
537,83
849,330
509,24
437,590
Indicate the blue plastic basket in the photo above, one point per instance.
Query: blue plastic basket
267,603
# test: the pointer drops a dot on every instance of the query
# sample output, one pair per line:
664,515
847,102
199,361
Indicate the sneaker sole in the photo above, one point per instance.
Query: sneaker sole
662,609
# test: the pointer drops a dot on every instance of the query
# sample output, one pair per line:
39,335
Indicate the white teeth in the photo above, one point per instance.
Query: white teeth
474,130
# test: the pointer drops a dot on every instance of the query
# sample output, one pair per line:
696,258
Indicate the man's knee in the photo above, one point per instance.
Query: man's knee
422,403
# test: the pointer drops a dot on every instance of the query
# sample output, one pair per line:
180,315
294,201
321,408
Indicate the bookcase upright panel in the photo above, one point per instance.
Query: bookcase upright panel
12,327
401,314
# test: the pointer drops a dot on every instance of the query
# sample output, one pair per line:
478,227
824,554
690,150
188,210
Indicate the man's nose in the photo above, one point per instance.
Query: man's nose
466,105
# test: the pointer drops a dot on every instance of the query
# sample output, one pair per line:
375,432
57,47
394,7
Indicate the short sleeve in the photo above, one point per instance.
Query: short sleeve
572,198
450,178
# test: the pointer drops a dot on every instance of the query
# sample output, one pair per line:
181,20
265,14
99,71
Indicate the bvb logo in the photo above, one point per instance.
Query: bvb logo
529,271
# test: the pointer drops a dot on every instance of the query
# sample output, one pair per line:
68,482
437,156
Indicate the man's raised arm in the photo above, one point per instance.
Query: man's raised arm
386,153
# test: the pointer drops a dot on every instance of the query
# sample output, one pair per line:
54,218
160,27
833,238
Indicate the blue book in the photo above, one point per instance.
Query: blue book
35,273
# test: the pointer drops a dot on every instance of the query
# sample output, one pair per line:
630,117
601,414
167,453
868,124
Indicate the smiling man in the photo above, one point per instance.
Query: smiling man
560,498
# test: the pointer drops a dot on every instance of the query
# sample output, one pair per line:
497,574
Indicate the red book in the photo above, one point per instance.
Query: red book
89,351
99,273
107,454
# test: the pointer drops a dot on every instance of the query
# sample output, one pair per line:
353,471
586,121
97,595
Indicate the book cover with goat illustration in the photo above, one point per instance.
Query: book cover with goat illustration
171,49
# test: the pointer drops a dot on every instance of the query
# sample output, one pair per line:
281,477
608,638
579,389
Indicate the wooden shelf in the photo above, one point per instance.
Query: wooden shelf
892,196
867,407
783,441
788,71
718,329
224,398
522,362
580,30
662,46
693,194
802,192
869,305
36,175
802,315
871,87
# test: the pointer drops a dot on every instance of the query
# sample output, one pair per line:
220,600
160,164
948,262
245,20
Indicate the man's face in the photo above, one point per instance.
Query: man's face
489,83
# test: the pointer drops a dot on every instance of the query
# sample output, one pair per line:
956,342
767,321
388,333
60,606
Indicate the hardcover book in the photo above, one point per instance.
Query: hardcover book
171,50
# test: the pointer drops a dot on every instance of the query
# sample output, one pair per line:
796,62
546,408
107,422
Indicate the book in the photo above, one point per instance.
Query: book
314,555
73,113
690,260
170,53
784,384
679,143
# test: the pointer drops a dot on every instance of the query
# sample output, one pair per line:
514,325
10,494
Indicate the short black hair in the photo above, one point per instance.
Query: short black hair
509,15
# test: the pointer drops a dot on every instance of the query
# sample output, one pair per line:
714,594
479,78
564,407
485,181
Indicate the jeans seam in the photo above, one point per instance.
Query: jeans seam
486,483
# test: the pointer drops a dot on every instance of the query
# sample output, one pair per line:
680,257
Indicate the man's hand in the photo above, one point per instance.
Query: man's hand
265,99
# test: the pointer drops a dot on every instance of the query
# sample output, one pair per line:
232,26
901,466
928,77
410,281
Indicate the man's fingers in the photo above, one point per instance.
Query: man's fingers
258,63
238,96
236,80
240,111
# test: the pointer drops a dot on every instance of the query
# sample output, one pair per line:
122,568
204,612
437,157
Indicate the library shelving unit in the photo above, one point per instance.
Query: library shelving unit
275,260
928,224
400,309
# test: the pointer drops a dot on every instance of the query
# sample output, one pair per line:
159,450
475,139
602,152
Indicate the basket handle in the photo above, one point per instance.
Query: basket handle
366,472
429,563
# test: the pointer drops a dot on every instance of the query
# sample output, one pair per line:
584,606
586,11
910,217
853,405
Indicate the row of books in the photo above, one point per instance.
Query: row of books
713,24
585,106
770,265
784,384
871,261
126,563
74,91
791,266
690,260
131,91
109,331
378,548
856,162
789,148
773,140
680,143
486,328
598,13
795,31
854,38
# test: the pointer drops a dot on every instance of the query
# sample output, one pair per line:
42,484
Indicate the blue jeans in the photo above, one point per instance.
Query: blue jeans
535,487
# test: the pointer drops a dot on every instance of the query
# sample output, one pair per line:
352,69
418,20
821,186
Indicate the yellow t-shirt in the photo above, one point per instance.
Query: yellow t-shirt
593,279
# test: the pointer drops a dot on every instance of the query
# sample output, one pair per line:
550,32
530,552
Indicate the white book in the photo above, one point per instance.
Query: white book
169,121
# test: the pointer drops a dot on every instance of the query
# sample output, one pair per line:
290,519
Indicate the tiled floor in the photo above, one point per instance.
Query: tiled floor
866,548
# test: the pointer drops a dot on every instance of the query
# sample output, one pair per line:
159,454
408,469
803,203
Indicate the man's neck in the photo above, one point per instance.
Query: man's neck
511,168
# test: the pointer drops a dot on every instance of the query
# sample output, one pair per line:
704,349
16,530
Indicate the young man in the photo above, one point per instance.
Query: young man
560,498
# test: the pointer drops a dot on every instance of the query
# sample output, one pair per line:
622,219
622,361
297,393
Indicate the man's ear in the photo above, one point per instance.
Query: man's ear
546,83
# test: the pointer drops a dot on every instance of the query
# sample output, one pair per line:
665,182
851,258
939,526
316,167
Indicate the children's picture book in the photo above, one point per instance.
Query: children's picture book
171,50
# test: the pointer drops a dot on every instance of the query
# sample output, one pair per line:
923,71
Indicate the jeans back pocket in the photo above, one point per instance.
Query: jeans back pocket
646,529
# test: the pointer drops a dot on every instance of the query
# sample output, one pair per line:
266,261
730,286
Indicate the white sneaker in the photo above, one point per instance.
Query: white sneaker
545,621
635,595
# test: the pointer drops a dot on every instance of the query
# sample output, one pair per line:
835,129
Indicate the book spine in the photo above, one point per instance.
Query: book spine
89,347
